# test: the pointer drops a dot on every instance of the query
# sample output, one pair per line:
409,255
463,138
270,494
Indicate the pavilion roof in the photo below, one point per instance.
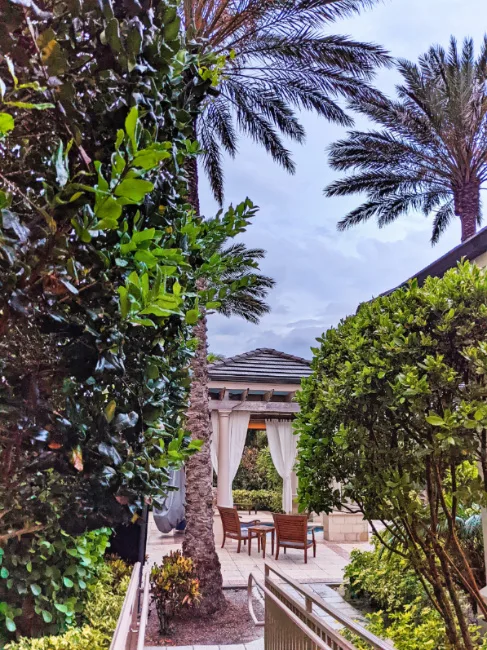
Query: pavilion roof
261,365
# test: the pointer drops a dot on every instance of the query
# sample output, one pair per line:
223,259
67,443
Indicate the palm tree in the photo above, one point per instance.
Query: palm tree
431,151
279,60
248,302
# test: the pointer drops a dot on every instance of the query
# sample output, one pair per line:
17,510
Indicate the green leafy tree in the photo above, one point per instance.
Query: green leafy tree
430,151
395,412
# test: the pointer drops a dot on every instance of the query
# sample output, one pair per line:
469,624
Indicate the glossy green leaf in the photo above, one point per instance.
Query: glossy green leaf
7,123
192,316
131,126
134,189
9,624
47,616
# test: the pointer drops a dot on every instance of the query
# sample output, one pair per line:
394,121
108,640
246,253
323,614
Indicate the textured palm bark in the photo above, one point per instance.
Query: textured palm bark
467,207
199,540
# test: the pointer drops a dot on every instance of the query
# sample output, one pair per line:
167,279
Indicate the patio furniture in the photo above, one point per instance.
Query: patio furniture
262,531
234,528
292,532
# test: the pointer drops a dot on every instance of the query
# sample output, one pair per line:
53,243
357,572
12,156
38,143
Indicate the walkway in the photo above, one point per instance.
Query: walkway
327,567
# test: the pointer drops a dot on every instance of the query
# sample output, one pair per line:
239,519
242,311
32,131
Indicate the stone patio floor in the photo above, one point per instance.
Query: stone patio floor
327,567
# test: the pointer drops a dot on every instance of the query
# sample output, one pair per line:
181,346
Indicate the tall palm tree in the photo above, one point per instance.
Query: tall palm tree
279,60
431,152
248,302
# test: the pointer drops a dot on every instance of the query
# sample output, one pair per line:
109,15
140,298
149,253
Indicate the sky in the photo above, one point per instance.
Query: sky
321,274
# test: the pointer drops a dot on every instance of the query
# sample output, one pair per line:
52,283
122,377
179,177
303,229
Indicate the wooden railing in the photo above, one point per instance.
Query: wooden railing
130,631
290,623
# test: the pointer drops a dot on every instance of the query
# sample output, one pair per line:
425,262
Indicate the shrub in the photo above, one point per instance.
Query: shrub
259,499
173,587
102,609
395,412
388,583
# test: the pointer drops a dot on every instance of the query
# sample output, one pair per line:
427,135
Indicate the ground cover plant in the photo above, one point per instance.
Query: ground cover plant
395,412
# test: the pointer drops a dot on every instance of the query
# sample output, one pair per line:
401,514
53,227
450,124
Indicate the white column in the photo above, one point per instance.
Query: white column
223,496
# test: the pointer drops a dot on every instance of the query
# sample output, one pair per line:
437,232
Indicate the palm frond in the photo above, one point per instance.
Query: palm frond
248,299
285,62
431,149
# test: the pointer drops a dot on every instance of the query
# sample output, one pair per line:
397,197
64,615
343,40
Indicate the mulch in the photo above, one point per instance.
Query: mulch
231,625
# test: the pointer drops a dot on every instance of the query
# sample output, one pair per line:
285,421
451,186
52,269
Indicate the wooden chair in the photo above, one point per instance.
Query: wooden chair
234,528
292,532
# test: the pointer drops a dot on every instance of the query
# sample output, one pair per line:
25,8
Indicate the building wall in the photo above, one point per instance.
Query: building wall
481,260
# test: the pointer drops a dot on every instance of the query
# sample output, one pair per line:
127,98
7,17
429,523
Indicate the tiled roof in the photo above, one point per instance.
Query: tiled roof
263,364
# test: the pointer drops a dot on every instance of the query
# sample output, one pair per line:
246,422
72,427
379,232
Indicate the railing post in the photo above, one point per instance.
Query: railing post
309,605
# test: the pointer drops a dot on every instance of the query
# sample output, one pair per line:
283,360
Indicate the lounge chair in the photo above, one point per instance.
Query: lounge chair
292,532
234,528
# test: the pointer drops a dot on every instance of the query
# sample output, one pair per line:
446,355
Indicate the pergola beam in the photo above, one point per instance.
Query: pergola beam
254,407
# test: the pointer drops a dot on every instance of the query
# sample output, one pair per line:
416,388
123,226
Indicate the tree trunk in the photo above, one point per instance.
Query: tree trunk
467,207
199,540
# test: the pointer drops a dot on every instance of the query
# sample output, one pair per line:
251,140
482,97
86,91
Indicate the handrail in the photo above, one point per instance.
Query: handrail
312,599
144,612
314,638
124,624
253,579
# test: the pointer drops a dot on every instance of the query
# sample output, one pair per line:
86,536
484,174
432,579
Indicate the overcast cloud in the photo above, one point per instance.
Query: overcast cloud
321,274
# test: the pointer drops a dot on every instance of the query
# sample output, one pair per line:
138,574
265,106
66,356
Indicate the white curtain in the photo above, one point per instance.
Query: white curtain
283,448
214,440
239,424
237,431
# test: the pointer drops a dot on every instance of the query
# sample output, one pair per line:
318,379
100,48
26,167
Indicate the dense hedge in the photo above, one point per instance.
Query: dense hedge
259,499
100,255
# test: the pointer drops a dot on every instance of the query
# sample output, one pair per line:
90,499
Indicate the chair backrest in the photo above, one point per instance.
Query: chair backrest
291,528
230,520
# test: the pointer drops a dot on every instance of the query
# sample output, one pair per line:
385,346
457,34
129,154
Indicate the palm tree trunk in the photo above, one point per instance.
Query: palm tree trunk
199,539
467,207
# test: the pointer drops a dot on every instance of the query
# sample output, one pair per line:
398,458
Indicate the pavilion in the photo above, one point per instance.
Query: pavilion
255,390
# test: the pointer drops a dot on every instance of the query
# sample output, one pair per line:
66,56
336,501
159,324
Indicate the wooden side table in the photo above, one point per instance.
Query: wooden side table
261,533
